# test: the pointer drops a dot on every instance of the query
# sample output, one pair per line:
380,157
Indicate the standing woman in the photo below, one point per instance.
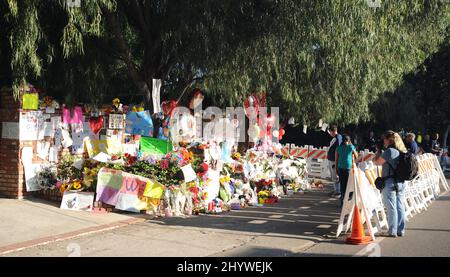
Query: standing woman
394,191
345,153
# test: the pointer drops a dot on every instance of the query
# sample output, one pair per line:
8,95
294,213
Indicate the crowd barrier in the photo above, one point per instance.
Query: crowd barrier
317,162
419,193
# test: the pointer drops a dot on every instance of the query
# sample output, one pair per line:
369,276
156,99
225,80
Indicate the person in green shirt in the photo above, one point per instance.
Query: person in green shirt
345,155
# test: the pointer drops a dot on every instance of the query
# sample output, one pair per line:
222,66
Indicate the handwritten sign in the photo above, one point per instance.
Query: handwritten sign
77,201
31,125
126,191
116,121
139,123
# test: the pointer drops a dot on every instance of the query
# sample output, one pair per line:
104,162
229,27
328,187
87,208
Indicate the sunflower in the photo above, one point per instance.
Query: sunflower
116,102
63,187
76,185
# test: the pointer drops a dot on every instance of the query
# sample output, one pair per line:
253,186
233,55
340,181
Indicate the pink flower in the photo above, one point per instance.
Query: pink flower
164,164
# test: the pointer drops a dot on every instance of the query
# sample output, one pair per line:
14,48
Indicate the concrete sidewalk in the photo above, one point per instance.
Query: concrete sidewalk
30,222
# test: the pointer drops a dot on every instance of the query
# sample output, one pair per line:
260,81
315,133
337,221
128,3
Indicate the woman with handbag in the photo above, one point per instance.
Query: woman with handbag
393,191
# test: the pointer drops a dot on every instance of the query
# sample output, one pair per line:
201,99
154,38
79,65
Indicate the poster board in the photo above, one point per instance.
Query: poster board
126,191
116,121
154,145
139,123
31,125
77,201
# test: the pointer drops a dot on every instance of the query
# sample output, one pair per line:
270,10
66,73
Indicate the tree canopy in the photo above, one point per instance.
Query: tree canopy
325,59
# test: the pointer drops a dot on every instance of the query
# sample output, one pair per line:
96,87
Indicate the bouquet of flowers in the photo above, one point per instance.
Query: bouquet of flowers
46,178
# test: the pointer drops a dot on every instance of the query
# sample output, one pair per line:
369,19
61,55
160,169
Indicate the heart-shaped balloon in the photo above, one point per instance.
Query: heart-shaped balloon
96,124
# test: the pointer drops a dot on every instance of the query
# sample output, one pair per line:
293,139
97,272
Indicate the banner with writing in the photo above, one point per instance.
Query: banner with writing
126,191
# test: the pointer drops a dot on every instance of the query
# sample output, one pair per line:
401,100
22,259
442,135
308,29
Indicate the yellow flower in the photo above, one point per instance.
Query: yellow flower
63,188
76,185
116,102
134,109
140,109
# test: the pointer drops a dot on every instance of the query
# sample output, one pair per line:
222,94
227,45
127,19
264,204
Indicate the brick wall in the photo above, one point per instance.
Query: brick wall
12,183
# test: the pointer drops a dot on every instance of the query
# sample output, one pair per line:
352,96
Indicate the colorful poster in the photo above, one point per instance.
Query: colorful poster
155,146
74,116
153,189
77,201
31,125
109,146
30,101
139,123
126,191
116,121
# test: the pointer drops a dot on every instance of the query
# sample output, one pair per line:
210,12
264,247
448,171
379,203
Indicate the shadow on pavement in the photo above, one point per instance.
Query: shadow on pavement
310,216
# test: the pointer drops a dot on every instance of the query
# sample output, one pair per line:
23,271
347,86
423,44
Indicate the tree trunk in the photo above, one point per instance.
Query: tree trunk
444,142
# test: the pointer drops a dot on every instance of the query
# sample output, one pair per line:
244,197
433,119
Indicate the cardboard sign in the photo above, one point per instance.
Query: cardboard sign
77,201
126,191
116,121
31,125
154,145
188,173
109,146
139,123
30,101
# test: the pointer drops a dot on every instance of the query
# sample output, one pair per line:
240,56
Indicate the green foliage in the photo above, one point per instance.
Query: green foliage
422,102
316,59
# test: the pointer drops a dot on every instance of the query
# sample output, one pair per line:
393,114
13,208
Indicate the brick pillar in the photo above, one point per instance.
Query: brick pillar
12,179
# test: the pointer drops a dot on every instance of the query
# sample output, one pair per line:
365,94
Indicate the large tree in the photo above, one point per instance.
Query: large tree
316,59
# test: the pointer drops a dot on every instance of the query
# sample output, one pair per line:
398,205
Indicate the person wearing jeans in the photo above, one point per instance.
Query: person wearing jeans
393,199
335,142
344,157
394,191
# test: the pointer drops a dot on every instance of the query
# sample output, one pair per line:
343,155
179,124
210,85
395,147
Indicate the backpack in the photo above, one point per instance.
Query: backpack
406,168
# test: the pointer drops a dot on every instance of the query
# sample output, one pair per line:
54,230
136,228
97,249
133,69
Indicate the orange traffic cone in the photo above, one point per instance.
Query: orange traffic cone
358,236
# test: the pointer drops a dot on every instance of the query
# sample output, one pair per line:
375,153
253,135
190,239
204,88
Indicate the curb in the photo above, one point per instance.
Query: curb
82,232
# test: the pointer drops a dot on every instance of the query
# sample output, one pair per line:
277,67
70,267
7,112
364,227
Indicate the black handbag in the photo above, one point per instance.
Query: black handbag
380,183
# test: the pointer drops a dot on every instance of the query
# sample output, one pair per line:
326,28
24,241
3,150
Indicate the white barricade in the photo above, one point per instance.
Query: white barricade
419,192
368,200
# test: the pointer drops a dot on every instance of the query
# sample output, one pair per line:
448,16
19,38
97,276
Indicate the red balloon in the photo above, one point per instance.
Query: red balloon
168,107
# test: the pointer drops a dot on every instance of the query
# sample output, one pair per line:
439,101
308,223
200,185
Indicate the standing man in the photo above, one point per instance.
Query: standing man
331,155
434,145
411,144
371,143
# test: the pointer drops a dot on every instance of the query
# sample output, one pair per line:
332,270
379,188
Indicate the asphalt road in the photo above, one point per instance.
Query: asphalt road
296,226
